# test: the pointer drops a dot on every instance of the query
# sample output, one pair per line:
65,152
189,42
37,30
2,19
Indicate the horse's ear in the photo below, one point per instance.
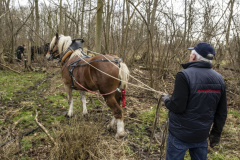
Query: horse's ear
57,35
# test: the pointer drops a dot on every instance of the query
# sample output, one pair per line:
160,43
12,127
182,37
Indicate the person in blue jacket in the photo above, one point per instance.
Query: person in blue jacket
197,107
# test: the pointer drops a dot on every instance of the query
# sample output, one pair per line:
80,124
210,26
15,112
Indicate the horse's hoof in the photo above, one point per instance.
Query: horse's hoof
67,116
120,135
110,128
85,116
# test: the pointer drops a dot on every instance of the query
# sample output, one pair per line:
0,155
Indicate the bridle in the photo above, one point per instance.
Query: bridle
51,52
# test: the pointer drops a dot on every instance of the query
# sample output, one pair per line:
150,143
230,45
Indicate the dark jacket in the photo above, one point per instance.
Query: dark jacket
20,49
198,101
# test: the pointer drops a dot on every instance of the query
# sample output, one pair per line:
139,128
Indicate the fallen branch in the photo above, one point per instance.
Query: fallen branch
16,123
42,82
43,128
24,134
10,68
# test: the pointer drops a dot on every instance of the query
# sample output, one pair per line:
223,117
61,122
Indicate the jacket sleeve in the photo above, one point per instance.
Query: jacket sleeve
220,115
178,102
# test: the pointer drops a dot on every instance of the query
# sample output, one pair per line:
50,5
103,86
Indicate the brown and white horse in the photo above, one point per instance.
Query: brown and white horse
98,74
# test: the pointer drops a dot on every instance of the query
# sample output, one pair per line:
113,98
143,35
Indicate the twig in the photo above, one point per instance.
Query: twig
43,128
232,92
164,137
24,134
42,82
134,119
154,124
16,123
157,140
93,103
10,68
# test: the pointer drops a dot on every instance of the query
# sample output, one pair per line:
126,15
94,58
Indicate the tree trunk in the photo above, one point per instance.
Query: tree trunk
37,21
151,54
60,26
98,32
108,18
82,23
228,48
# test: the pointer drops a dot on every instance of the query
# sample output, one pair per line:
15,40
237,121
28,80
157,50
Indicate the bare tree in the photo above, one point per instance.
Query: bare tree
98,26
37,20
109,9
60,26
82,19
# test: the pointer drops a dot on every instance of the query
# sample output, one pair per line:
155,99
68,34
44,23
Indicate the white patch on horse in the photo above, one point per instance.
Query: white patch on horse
83,99
112,123
70,111
120,129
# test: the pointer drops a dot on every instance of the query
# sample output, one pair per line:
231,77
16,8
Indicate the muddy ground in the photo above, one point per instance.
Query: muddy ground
41,90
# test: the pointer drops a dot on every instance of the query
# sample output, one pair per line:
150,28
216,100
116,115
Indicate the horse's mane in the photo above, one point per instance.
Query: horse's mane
63,45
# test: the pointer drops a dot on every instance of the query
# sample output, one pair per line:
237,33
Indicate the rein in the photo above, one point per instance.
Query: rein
50,50
93,91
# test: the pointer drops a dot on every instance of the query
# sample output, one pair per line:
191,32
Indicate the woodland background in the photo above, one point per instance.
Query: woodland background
152,37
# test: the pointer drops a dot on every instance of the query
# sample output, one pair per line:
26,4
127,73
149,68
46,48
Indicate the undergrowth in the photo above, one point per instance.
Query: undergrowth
21,94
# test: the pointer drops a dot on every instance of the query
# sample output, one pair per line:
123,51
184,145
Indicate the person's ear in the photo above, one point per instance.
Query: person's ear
194,57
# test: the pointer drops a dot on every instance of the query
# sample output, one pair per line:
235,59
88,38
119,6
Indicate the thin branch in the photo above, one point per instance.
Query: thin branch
4,14
43,128
10,68
24,134
154,124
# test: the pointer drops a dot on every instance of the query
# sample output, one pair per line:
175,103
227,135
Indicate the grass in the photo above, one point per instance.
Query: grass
12,82
51,106
235,113
26,143
148,116
58,100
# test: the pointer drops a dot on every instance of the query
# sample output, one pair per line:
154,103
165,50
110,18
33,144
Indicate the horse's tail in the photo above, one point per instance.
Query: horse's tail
124,75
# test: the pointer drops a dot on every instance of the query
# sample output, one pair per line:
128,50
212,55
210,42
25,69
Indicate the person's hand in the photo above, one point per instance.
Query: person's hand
214,140
165,97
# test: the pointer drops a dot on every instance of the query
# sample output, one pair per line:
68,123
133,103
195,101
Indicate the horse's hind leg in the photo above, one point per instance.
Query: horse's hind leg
114,121
83,99
118,96
70,101
118,115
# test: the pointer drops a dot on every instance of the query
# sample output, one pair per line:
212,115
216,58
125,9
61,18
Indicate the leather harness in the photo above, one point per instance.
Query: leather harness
74,46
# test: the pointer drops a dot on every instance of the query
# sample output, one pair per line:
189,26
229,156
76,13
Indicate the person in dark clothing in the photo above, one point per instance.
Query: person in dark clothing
197,106
20,52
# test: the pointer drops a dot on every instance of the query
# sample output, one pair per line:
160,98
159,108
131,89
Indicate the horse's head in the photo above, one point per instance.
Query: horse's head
53,49
58,46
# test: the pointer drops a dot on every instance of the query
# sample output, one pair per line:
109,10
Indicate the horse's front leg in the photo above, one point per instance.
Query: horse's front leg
70,101
83,99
